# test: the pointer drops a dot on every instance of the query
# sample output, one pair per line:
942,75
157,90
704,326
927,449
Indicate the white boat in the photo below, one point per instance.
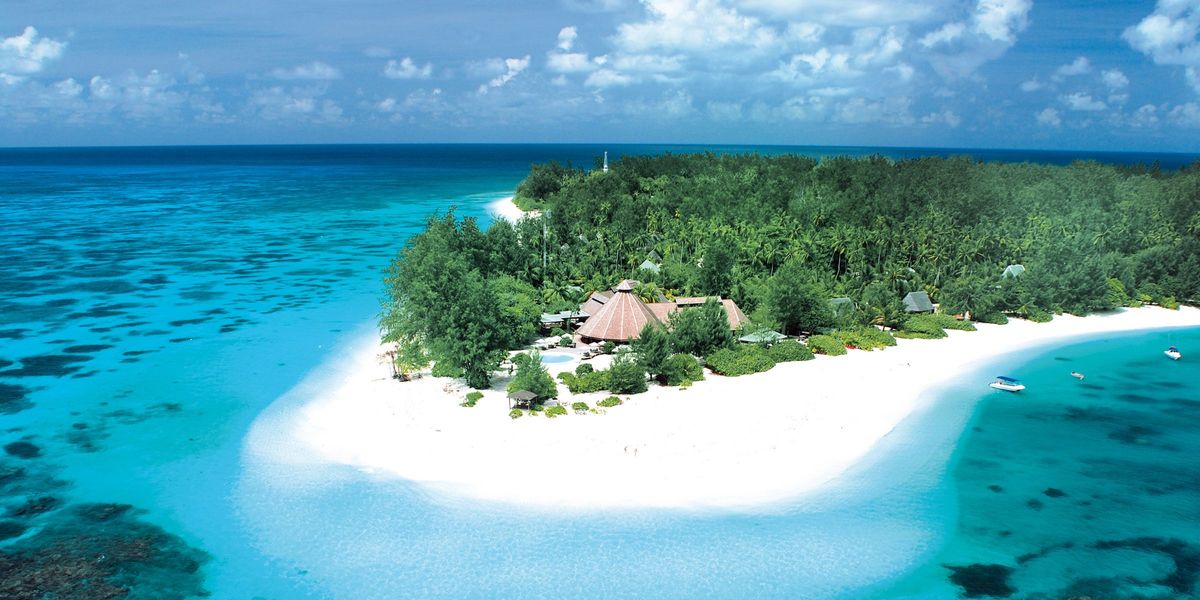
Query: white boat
1007,384
1173,353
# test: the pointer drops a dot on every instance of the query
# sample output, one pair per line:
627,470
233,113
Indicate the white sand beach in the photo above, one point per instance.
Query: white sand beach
724,443
504,208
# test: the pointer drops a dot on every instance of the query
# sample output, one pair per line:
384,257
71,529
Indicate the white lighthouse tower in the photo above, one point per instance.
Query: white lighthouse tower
606,161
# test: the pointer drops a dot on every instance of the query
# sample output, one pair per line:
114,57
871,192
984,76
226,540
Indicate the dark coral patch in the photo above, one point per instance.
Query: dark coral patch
1034,504
23,450
14,398
1054,493
47,365
11,529
995,488
86,348
34,506
101,512
980,580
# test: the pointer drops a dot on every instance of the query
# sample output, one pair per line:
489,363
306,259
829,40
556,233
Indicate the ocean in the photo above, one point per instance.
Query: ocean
157,303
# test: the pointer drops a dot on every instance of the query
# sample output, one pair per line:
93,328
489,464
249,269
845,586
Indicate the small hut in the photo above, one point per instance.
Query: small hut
841,307
521,398
1013,271
767,337
918,302
648,265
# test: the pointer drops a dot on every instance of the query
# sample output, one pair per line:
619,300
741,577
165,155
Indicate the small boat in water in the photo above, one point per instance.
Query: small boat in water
1007,384
1077,375
1173,353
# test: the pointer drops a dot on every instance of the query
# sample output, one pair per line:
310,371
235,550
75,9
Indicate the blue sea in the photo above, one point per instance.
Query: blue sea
157,305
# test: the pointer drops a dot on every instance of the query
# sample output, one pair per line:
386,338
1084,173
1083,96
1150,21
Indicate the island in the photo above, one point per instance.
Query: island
699,331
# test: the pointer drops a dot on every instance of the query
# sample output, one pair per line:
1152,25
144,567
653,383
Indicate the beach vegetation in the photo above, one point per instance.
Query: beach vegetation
681,370
607,347
652,348
531,375
444,368
516,413
584,368
700,331
609,402
566,341
591,381
921,327
789,351
865,338
472,398
742,360
554,411
827,345
410,357
579,407
783,235
626,375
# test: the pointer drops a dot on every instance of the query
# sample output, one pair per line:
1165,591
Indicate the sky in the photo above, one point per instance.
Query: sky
1052,74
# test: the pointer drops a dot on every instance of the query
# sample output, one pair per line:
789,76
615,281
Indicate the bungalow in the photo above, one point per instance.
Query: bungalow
622,315
918,302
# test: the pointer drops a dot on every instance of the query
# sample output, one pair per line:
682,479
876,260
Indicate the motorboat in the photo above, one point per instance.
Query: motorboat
1173,353
1007,384
1077,375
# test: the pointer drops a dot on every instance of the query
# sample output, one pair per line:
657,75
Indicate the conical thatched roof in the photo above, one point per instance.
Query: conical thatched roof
620,319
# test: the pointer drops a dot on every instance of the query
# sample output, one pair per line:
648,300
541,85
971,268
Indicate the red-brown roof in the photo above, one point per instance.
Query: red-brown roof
620,320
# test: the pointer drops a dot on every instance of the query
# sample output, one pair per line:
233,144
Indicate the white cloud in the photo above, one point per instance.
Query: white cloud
852,13
948,33
1145,117
566,38
28,53
570,62
298,104
893,110
1080,66
313,71
946,117
724,111
1049,117
1187,114
805,33
1169,37
871,49
1080,101
1031,85
960,47
512,68
1114,79
405,68
698,26
607,78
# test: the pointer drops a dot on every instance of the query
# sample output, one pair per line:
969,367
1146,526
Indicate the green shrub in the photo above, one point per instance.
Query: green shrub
557,331
445,369
921,327
472,398
609,402
584,368
996,318
532,376
681,369
555,411
626,375
949,322
564,375
865,338
789,351
1169,302
827,345
566,341
591,381
516,413
579,406
743,360
1038,315
607,347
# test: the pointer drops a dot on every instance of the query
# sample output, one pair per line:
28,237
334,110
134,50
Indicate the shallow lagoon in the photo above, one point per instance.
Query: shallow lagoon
154,305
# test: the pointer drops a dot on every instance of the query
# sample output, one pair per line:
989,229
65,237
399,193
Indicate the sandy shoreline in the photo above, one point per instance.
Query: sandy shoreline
725,443
505,208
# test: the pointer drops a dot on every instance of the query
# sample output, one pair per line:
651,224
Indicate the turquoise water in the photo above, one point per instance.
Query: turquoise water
157,303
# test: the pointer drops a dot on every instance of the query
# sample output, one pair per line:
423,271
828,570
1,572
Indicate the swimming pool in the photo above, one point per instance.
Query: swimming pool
554,359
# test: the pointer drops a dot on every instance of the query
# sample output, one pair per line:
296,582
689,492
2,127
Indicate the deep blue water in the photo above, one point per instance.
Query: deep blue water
156,302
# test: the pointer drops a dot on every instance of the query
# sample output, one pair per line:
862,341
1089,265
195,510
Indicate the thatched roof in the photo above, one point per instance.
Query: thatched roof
522,396
620,319
595,302
918,302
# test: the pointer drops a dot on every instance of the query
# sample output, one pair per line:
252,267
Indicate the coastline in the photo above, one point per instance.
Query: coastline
505,208
727,443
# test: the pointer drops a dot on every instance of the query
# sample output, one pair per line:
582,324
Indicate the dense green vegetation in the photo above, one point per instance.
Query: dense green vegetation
783,235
